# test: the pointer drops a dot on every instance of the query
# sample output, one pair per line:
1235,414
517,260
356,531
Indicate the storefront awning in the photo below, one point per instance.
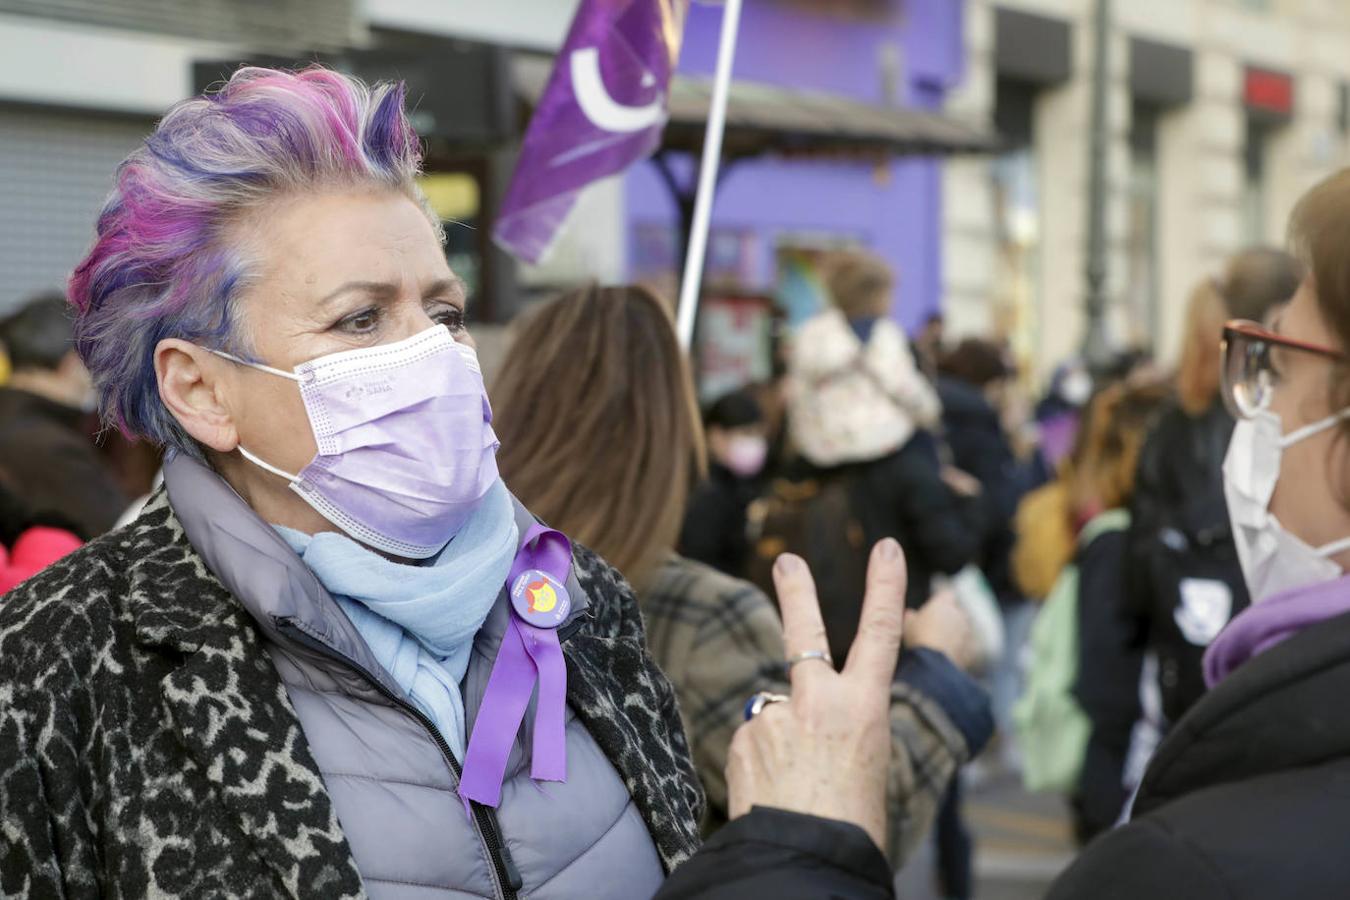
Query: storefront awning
766,119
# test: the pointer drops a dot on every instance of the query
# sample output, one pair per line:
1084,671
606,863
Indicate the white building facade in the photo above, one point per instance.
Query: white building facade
1222,113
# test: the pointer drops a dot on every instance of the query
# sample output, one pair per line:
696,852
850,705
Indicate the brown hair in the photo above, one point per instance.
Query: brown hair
599,425
1101,473
1254,282
976,361
1319,231
860,283
1198,371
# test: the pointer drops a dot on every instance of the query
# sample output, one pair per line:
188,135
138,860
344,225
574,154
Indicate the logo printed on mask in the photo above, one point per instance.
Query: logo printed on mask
359,391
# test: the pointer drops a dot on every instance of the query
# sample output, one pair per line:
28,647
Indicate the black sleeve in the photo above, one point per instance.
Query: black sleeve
1149,509
773,853
947,529
1139,861
1110,654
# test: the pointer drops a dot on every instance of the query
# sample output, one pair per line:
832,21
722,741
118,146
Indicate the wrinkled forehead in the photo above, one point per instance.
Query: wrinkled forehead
303,249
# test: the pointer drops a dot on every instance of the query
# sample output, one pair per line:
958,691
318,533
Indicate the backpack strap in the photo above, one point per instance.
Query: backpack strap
1104,523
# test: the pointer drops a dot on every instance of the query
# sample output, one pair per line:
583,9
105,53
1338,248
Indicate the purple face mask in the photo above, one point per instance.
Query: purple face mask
406,448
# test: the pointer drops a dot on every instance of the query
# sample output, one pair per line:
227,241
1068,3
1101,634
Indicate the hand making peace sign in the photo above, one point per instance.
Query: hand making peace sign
825,750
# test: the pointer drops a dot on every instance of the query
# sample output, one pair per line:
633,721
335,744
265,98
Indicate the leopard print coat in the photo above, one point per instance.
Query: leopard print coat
148,748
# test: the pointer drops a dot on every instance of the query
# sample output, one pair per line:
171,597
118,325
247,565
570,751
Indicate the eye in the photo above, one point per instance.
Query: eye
451,317
362,322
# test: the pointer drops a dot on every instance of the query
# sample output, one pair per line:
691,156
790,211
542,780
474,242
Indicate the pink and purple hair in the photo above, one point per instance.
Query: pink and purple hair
163,266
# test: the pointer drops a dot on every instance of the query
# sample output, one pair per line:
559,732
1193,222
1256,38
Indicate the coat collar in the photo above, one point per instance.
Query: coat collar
231,712
1278,711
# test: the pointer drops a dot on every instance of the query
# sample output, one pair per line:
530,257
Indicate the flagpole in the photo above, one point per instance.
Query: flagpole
707,176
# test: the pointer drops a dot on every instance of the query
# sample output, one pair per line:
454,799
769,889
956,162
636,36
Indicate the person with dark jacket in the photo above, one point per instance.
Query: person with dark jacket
1110,655
973,431
714,530
935,514
1184,581
1245,797
861,413
46,442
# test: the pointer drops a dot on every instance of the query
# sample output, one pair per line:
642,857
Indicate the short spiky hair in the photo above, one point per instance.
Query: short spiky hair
162,265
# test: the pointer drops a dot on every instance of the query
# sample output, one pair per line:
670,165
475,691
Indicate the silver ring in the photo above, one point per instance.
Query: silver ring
822,655
755,705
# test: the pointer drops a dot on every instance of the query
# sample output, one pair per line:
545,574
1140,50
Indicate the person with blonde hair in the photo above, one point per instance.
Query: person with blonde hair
612,465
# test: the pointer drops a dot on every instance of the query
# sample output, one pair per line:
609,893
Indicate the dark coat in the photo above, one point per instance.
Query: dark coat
50,460
148,746
1110,658
771,853
1180,529
714,531
903,496
979,446
1249,795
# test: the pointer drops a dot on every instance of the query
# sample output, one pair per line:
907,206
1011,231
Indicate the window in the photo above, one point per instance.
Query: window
1142,283
1254,180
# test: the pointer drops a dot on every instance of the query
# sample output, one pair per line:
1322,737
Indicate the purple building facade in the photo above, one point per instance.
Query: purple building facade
905,52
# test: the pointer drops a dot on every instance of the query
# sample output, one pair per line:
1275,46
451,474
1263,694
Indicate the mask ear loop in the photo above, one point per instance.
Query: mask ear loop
1307,431
1328,550
259,366
267,466
293,479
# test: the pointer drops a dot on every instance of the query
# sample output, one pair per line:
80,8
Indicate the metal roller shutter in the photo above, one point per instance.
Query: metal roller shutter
56,169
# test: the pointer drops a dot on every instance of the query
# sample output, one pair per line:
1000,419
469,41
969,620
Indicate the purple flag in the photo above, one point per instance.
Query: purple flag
602,110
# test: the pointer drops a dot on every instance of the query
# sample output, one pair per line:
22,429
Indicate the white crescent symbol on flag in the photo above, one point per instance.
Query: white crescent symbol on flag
602,109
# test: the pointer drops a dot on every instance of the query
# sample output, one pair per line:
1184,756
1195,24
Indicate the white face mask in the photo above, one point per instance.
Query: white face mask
1076,388
1273,560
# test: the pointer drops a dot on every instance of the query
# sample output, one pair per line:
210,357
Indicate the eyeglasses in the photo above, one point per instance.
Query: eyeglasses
1251,369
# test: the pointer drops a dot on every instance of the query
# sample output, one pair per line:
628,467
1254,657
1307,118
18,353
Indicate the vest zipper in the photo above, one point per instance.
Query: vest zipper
504,868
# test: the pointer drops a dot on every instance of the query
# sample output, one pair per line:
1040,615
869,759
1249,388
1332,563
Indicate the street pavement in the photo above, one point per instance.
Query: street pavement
1022,842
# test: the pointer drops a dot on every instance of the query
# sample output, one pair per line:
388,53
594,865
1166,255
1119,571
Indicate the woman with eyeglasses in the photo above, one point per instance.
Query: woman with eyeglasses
1249,794
1183,581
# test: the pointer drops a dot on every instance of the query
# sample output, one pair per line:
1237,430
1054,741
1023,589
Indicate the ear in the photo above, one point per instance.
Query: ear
191,388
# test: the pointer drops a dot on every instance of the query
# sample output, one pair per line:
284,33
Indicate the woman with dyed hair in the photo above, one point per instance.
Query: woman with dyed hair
307,668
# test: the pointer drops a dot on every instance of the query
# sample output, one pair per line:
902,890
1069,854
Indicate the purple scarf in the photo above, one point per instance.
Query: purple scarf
1263,625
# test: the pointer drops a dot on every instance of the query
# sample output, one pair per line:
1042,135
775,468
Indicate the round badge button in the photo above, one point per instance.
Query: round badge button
540,599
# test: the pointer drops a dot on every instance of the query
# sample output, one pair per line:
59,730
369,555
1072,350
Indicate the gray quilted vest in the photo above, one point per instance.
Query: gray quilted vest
392,780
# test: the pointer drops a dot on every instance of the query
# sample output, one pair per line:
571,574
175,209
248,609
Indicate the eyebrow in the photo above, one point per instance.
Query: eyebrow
376,288
388,290
454,286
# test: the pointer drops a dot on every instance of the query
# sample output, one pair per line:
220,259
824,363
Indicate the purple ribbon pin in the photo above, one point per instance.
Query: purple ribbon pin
530,651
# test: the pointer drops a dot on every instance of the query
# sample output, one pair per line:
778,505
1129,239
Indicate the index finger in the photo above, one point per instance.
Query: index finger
877,647
803,628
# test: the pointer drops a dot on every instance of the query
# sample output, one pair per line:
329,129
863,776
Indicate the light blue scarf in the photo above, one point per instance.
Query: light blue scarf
420,620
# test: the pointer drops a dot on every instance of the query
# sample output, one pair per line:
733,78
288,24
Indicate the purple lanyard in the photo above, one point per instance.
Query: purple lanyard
529,651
